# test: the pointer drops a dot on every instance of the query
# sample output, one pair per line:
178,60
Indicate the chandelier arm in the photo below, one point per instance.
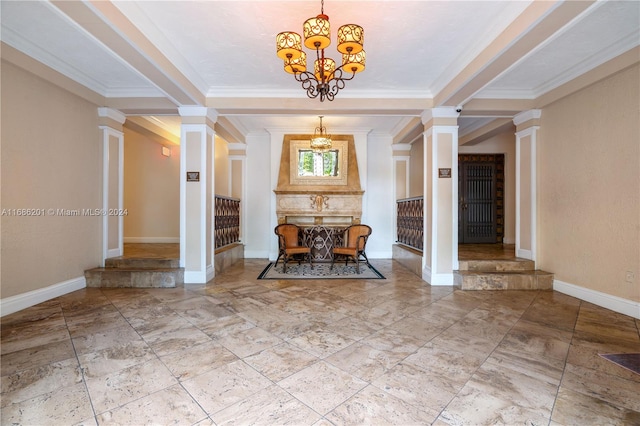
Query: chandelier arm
340,77
307,80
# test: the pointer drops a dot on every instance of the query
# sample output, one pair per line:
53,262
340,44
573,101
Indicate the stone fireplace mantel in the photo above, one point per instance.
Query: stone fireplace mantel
330,201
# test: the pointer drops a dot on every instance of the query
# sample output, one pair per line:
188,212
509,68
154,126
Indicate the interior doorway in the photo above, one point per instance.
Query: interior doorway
480,198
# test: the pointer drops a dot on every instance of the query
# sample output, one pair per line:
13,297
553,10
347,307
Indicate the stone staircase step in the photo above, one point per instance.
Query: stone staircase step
504,280
141,263
134,277
502,265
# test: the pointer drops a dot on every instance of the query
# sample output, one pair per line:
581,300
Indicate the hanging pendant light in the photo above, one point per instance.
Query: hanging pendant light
326,80
321,141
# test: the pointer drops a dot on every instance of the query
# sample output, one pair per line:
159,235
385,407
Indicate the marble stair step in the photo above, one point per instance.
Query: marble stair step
497,265
141,263
505,280
134,278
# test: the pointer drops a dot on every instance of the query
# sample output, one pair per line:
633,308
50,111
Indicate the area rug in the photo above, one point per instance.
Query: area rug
629,361
320,271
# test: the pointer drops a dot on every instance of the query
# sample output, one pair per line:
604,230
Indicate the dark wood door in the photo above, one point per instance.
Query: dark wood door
477,210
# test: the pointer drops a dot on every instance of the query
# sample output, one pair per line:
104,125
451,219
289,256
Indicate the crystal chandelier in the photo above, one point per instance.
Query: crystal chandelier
320,141
326,80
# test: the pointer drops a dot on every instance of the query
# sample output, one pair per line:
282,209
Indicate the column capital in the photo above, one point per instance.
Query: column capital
435,114
402,148
194,112
111,118
532,116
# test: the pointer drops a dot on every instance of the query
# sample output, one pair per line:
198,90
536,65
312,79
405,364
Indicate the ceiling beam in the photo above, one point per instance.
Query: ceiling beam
539,21
104,21
298,106
489,130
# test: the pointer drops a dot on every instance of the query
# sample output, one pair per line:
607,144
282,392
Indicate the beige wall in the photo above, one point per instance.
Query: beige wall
151,189
503,143
589,186
416,169
51,159
221,167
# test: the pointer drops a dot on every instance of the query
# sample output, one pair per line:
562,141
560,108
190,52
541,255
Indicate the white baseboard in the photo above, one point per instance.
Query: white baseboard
12,304
195,277
525,254
148,240
613,303
436,279
211,272
257,254
380,254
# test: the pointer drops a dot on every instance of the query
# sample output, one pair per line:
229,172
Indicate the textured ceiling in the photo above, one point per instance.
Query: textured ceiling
150,57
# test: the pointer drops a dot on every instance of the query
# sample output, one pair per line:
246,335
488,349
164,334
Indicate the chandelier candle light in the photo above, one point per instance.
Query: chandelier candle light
326,80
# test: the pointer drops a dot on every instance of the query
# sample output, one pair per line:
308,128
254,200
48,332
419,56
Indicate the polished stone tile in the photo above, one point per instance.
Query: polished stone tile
36,356
115,389
612,389
37,381
270,406
417,387
280,361
309,352
458,367
575,408
322,386
197,359
69,405
530,393
224,386
226,326
537,340
376,407
321,342
364,361
173,339
95,322
119,335
22,334
250,341
115,358
475,407
394,341
170,406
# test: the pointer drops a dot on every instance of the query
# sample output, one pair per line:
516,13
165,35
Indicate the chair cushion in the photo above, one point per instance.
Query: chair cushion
297,250
344,250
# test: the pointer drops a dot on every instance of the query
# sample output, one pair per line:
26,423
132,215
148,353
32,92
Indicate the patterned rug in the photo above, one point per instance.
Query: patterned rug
629,361
320,271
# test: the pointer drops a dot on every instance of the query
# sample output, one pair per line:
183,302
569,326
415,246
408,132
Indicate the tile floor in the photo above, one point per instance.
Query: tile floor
337,352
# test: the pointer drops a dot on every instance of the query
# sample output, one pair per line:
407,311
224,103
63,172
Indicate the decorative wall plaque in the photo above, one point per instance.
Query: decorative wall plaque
444,173
193,176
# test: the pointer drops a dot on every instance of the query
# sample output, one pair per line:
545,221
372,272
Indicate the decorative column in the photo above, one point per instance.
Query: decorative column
197,181
111,122
440,254
527,126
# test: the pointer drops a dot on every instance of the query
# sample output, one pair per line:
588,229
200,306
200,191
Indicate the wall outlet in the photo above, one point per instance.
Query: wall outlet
630,277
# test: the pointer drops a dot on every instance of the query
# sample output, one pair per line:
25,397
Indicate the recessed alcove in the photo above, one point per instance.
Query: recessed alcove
308,200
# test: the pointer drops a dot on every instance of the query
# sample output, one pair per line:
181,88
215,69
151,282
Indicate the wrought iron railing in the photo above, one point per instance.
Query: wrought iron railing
409,222
227,221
